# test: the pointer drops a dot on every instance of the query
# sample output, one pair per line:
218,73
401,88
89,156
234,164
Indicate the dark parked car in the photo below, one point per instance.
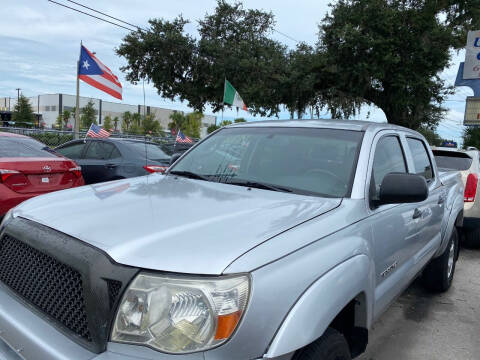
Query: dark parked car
113,159
176,148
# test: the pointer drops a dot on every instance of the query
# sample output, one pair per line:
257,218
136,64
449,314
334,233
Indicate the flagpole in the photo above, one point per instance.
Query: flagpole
76,134
175,143
223,98
86,134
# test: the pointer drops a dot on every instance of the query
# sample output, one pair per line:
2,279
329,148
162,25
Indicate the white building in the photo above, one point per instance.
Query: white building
51,105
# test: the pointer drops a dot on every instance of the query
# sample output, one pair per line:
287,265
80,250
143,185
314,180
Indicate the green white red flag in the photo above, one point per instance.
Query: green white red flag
232,97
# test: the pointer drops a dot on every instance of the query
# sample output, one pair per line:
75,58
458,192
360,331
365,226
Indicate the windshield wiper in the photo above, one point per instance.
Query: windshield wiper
259,185
188,174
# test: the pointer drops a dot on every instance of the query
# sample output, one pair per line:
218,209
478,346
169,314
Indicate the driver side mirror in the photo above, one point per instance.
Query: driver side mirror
400,188
175,158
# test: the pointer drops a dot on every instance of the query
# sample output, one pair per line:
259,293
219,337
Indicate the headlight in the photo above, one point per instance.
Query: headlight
178,315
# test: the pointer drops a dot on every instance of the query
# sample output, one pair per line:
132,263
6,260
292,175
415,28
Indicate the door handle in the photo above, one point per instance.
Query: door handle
111,166
417,213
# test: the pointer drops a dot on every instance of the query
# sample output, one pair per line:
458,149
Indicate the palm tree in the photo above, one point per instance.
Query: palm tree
115,122
127,119
66,117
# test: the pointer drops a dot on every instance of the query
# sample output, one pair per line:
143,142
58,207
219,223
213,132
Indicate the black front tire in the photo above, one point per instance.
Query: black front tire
331,346
438,275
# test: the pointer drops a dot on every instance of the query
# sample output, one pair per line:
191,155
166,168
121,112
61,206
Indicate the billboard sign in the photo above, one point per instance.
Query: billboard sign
472,111
471,68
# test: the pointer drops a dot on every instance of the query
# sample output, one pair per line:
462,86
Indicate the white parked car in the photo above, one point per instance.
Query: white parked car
468,163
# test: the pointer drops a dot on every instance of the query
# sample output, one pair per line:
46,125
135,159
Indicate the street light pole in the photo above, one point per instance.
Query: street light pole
18,94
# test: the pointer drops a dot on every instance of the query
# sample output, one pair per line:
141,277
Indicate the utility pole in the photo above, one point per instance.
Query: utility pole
18,94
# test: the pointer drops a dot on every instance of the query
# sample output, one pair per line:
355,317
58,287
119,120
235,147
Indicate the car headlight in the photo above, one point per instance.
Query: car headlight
175,314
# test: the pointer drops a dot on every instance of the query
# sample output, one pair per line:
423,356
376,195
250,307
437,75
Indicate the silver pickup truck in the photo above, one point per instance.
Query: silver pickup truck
273,240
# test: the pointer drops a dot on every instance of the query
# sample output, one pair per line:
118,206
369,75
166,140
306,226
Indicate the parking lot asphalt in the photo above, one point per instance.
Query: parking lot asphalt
421,325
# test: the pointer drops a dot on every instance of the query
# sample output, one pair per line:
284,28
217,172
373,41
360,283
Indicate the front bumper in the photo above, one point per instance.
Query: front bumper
26,336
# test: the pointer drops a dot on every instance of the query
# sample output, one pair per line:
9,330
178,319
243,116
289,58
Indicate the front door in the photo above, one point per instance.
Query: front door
393,226
100,162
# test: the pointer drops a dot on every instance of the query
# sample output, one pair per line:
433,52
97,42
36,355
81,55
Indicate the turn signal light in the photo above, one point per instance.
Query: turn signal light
155,168
471,188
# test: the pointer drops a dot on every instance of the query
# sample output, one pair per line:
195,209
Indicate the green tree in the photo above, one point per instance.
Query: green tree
390,53
115,122
233,42
23,113
471,137
87,116
126,121
239,120
107,123
189,124
212,128
150,126
177,121
137,119
225,123
193,124
59,122
65,117
431,135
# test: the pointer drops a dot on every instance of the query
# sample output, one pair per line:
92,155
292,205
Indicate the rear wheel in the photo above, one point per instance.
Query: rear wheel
331,346
472,238
438,275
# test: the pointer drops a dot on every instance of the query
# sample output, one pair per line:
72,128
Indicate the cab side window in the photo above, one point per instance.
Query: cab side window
421,160
388,158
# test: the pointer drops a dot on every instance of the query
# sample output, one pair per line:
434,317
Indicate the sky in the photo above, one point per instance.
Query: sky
39,47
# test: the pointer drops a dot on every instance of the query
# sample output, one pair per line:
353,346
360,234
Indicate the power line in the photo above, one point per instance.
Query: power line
287,36
96,17
102,13
130,24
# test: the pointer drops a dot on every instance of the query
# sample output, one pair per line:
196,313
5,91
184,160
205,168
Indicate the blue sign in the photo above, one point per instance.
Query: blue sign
450,144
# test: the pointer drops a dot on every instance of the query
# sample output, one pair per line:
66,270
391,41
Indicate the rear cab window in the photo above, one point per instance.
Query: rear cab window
452,160
421,160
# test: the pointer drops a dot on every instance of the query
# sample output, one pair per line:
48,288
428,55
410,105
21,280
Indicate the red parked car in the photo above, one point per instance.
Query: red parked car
29,168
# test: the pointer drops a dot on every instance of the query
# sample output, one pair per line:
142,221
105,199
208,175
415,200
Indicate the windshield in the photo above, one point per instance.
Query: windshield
300,160
153,151
452,160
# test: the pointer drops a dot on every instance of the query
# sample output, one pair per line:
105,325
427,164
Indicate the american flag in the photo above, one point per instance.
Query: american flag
182,138
95,73
96,131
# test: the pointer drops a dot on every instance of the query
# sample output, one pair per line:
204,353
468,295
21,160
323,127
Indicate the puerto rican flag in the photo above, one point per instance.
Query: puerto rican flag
93,72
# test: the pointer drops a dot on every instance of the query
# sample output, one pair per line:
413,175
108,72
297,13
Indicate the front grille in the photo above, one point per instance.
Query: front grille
114,287
71,284
53,287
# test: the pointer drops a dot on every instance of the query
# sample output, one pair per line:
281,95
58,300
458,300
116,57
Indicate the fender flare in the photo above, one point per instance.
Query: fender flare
319,305
455,219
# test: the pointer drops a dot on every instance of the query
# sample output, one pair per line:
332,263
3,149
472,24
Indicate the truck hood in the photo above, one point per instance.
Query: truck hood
170,223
